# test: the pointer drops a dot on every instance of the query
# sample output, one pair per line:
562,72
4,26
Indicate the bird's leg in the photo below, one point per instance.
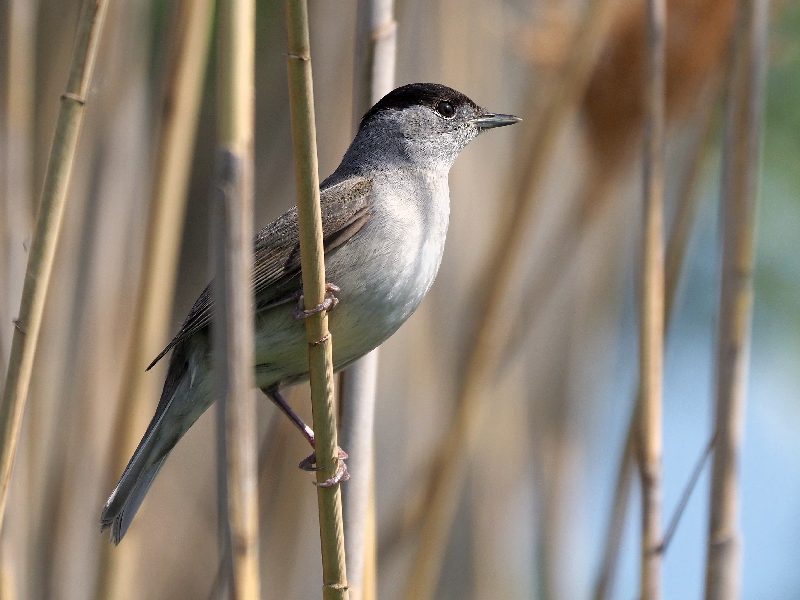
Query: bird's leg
280,402
328,304
309,462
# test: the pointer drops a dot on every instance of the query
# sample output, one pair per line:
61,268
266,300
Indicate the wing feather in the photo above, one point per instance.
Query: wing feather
346,207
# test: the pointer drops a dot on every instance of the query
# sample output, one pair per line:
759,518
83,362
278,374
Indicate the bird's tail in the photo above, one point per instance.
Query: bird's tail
127,497
180,405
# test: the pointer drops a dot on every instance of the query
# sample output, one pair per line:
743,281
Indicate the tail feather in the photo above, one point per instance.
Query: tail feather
119,515
184,398
138,476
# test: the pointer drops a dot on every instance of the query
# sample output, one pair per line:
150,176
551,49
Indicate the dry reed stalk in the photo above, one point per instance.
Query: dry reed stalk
312,257
452,457
614,117
267,493
18,34
17,122
740,174
232,234
358,389
188,60
674,262
375,52
651,333
613,107
45,237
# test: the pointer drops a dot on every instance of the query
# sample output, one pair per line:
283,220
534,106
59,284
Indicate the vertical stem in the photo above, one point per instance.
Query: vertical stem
45,238
233,319
673,265
442,491
320,349
376,40
358,387
740,173
191,24
651,340
17,119
18,37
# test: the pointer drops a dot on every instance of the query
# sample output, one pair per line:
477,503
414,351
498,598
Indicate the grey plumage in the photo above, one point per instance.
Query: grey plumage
384,212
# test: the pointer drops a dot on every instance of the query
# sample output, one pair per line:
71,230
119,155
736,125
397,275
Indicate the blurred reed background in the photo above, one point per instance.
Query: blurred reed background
558,392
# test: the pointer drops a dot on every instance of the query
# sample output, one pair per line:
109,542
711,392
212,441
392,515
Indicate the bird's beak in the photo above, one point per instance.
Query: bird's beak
490,120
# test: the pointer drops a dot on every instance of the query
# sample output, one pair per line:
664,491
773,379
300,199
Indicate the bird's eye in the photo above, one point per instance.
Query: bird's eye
445,109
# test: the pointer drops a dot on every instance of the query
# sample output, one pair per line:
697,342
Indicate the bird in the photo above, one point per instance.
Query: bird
385,212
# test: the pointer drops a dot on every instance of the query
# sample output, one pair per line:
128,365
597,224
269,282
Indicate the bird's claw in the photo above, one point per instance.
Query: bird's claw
309,463
327,305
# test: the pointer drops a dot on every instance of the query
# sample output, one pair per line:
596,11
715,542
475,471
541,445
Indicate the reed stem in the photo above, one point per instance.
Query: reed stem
740,175
191,24
320,345
45,237
449,466
375,52
651,336
232,234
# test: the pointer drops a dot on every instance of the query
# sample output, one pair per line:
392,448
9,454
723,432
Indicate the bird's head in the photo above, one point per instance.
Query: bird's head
426,124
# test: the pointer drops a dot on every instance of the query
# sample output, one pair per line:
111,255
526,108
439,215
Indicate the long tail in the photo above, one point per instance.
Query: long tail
127,497
180,405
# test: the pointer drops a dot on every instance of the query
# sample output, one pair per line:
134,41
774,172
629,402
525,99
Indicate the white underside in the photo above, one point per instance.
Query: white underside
384,273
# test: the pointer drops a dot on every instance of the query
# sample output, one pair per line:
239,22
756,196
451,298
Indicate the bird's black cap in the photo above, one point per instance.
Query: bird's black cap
413,94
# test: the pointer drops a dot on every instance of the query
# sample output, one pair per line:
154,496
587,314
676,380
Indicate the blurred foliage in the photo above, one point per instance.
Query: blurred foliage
778,272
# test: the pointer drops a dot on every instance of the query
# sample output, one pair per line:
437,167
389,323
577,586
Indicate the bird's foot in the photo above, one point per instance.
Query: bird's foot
328,304
309,463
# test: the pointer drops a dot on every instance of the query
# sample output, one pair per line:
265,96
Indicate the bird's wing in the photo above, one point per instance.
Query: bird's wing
346,207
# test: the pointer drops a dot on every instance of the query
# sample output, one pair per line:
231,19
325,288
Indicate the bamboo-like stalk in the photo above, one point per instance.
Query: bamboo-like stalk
232,233
178,124
740,175
452,456
358,388
17,121
375,52
651,333
675,258
45,238
320,348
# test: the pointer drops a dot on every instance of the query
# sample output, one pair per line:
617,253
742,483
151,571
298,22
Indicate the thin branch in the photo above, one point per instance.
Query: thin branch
320,345
452,457
651,337
17,121
376,41
675,260
686,495
233,318
740,175
45,238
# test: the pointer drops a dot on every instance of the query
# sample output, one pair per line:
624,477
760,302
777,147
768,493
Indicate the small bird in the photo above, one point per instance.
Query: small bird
385,211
